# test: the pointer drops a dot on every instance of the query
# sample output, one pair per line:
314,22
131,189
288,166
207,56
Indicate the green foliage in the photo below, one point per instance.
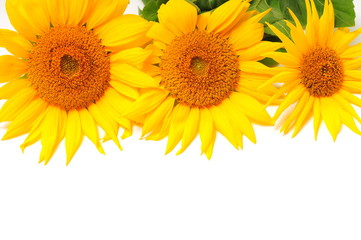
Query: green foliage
207,5
151,7
150,10
344,12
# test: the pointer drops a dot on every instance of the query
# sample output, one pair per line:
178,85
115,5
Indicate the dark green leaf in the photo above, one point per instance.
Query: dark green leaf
344,12
269,61
146,1
150,10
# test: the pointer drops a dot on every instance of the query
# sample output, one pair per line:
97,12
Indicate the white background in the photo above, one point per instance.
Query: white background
280,188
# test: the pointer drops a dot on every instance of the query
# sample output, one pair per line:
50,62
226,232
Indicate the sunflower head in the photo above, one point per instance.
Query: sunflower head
76,65
208,71
320,73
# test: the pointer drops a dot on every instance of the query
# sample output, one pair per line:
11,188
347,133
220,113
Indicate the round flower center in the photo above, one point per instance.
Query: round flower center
322,72
69,67
200,69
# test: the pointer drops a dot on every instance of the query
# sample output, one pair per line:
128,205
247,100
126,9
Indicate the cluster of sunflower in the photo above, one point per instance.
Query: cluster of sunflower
81,65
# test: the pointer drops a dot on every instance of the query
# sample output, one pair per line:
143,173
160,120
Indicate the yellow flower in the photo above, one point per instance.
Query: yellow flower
75,66
208,75
319,74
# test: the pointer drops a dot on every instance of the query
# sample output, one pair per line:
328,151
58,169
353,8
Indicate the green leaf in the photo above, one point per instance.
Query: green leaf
151,7
344,12
146,1
207,5
269,61
150,10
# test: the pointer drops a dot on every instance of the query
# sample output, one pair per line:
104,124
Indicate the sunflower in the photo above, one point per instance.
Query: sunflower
76,65
319,76
208,73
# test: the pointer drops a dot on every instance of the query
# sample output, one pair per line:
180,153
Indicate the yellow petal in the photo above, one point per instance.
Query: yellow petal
108,106
206,129
124,32
350,86
178,16
117,101
132,76
89,128
350,97
285,59
73,135
345,105
353,74
177,124
292,97
251,107
15,43
209,151
246,34
352,64
238,120
280,93
348,120
223,126
281,78
67,12
298,33
51,135
35,132
330,116
292,117
258,95
29,23
254,53
202,21
303,115
15,105
352,51
326,28
288,44
23,122
190,129
133,56
102,11
341,39
105,122
11,67
316,116
257,67
155,119
225,17
160,33
162,129
12,88
125,89
146,103
313,23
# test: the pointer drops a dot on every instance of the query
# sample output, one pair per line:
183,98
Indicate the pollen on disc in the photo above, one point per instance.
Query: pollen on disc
322,72
69,67
200,69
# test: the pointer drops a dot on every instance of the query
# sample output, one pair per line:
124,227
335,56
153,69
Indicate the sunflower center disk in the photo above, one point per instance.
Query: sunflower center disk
199,66
69,67
200,69
322,72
